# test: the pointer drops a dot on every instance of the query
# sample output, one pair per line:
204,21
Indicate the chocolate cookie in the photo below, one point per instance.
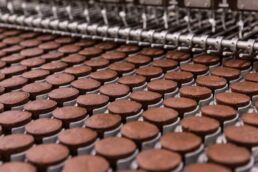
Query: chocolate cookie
201,126
157,160
103,122
86,163
228,155
180,142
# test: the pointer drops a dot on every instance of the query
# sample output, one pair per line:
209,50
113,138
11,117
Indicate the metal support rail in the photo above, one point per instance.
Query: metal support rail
129,35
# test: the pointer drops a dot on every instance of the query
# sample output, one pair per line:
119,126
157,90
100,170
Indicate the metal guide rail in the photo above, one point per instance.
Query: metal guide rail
221,27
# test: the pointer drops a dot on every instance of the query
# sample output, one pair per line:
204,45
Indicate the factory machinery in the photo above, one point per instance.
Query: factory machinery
223,27
128,85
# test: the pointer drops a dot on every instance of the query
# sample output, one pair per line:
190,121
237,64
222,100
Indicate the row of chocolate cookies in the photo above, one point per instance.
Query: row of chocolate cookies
123,147
107,55
32,104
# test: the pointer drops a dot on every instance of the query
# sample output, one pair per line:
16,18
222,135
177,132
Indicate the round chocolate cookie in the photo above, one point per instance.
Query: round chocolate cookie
240,64
146,98
235,100
12,49
69,114
221,113
157,160
29,35
35,75
13,119
165,64
114,56
128,49
69,49
13,99
124,108
180,142
152,52
245,87
30,43
180,104
78,71
228,155
104,75
114,91
13,83
85,42
160,116
201,126
250,119
17,166
55,66
92,101
205,167
97,64
246,136
75,138
86,85
12,59
31,52
196,69
12,40
43,127
13,70
149,72
74,59
13,144
227,73
115,148
46,37
91,52
62,95
132,81
139,131
103,122
56,153
52,55
179,77
39,107
195,92
37,89
33,62
122,67
106,45
65,40
60,79
206,59
178,56
87,163
252,77
138,60
211,82
162,86
12,32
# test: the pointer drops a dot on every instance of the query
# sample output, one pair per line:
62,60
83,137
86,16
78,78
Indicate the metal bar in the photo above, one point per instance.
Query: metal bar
104,32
